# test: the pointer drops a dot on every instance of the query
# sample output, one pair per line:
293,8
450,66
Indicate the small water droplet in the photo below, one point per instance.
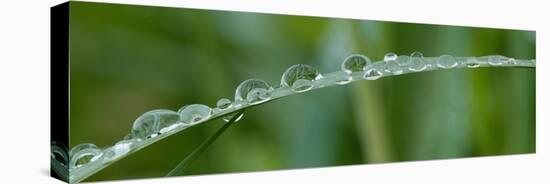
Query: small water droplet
446,61
152,122
230,116
372,74
344,80
512,61
300,77
472,62
253,91
496,60
83,154
355,63
390,57
224,103
417,62
193,113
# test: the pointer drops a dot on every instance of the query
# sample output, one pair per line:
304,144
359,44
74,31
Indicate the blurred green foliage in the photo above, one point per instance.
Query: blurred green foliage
126,60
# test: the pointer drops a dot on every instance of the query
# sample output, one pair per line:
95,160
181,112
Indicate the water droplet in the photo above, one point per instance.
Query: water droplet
512,61
416,61
169,128
391,65
253,91
131,137
390,57
194,113
355,63
230,116
224,103
153,135
402,60
258,95
302,85
496,60
344,80
472,62
59,153
152,122
83,154
372,74
119,149
300,77
446,61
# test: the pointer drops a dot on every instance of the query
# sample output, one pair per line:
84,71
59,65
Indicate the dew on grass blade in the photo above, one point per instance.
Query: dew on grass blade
119,149
512,61
83,154
496,60
372,74
446,61
416,61
193,113
355,63
390,57
402,60
344,80
472,62
59,153
300,77
253,91
150,123
224,103
391,65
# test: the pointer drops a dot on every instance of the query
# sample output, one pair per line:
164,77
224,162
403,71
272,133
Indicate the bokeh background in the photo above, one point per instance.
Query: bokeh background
126,60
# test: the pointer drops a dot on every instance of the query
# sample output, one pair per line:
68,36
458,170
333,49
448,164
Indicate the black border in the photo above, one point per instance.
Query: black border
59,77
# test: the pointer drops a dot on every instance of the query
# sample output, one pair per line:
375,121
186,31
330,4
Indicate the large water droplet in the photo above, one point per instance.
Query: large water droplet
372,74
496,60
83,154
194,113
300,77
390,57
417,62
471,62
253,91
355,63
446,61
150,123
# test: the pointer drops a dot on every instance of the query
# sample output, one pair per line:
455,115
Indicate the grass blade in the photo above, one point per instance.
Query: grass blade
180,168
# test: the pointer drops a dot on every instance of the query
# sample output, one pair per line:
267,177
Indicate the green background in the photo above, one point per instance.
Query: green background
126,60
